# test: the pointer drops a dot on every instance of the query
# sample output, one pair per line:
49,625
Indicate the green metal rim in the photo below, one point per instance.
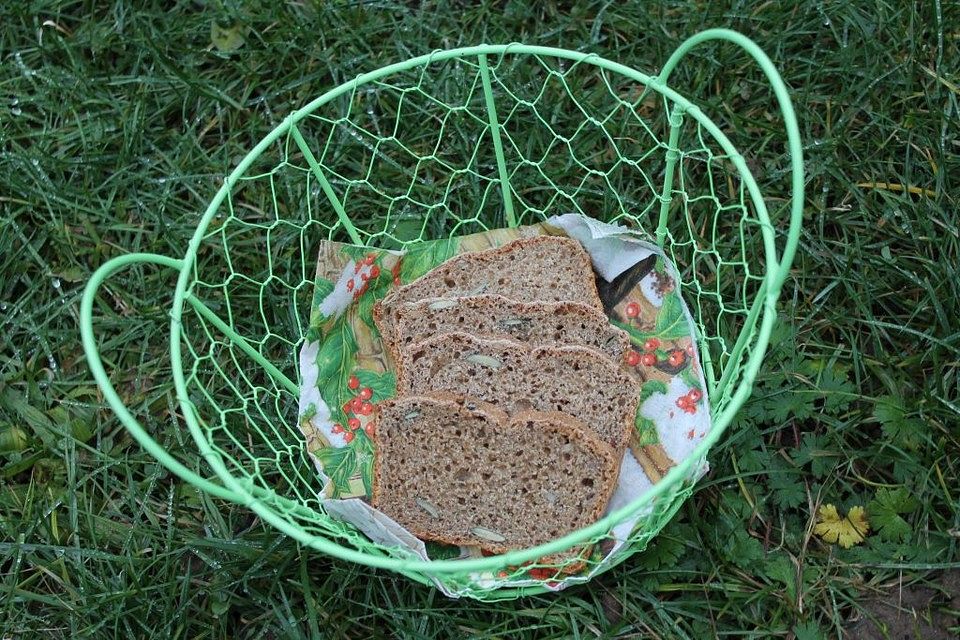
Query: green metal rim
234,489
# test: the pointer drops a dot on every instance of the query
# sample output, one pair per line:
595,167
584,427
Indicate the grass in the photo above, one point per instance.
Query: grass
116,126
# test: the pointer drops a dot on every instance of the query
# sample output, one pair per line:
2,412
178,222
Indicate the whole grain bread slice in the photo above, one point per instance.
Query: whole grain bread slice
545,268
496,316
579,381
459,471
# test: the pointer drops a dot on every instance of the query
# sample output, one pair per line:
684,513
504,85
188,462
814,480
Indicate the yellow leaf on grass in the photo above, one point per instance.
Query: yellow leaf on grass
845,531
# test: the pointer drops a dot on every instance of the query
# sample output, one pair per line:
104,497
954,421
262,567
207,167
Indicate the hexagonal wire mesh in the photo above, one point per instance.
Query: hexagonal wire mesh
447,144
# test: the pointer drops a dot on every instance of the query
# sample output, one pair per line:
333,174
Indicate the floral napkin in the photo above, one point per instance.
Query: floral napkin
345,371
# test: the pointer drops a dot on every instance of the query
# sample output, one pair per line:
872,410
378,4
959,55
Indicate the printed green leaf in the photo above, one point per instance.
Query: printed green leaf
337,349
383,385
425,256
690,378
636,337
377,290
339,463
671,323
646,430
335,361
651,387
365,454
355,252
321,289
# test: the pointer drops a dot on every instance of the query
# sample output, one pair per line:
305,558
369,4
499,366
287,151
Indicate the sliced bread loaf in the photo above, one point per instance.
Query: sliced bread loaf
459,471
495,316
579,381
547,268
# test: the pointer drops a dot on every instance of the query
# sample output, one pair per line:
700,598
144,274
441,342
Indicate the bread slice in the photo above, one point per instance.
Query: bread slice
495,316
459,471
579,381
541,268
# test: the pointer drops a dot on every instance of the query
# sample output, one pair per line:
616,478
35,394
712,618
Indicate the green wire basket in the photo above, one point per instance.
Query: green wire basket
444,144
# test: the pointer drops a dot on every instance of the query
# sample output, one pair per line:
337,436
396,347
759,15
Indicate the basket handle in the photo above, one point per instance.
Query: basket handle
103,380
789,119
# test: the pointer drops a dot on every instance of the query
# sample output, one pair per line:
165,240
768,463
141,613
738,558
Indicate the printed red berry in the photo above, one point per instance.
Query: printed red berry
695,395
347,407
369,259
353,423
362,290
396,281
633,358
648,359
355,404
350,284
366,393
676,358
374,271
690,434
370,429
651,345
541,573
337,427
365,409
683,401
357,266
364,276
353,382
348,436
633,310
